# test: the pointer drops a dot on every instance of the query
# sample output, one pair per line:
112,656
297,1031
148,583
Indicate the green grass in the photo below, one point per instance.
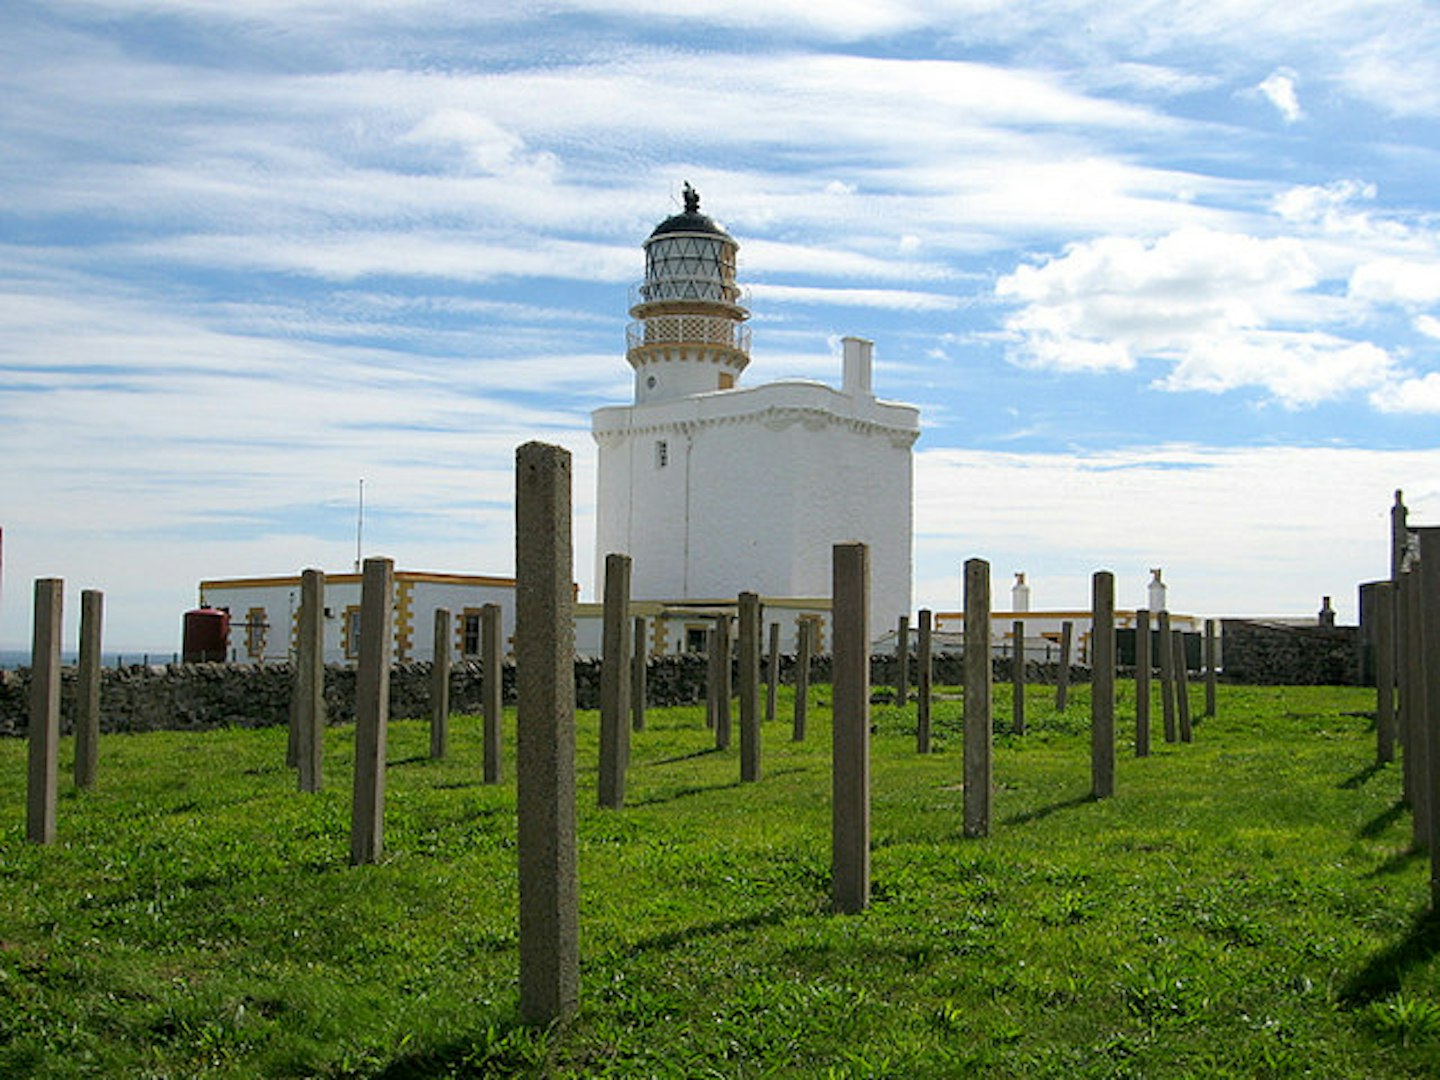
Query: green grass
1245,906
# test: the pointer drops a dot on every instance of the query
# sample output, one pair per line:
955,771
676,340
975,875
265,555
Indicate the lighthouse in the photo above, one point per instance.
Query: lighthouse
714,487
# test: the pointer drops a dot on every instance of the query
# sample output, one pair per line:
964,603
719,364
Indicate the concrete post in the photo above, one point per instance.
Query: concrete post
1017,678
850,746
1384,631
725,676
1102,686
372,711
44,731
1428,696
1404,668
492,694
902,660
1399,536
545,754
712,677
1182,686
615,661
1167,675
977,698
310,681
1211,669
440,686
1143,664
639,675
804,639
1062,674
772,672
1413,696
87,695
749,631
923,678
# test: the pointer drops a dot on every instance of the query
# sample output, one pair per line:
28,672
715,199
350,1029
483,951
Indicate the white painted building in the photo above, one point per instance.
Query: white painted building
713,488
264,613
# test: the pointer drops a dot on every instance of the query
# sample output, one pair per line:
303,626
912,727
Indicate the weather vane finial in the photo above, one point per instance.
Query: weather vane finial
692,199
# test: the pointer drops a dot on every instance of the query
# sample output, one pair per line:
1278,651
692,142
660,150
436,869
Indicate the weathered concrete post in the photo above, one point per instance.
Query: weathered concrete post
902,660
749,630
724,681
1383,611
372,712
440,686
545,758
87,691
1182,686
1062,673
492,694
1143,664
1167,675
712,677
850,746
924,676
1211,666
310,681
639,675
1102,686
1428,696
615,662
1412,698
977,698
44,732
1399,538
1017,678
804,643
772,672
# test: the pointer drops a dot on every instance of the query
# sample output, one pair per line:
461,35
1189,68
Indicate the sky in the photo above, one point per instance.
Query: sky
1163,277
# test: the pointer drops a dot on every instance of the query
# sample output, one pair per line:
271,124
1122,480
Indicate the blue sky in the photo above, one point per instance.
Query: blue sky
1163,277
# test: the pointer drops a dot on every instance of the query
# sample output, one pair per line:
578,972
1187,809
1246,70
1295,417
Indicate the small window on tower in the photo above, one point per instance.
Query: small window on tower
727,381
662,454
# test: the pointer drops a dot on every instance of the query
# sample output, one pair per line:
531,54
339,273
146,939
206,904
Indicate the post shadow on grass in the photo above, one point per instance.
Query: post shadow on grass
1397,862
1381,822
1350,783
1385,972
1054,808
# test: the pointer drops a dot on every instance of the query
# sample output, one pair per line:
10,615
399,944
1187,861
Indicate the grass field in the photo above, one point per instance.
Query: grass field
1245,906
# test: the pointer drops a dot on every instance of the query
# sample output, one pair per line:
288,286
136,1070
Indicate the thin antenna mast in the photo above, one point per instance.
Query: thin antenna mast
360,526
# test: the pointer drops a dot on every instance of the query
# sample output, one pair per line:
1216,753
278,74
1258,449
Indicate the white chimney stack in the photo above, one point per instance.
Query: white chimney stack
857,359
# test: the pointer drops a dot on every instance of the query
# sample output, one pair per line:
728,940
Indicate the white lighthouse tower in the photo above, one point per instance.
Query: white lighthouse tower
713,488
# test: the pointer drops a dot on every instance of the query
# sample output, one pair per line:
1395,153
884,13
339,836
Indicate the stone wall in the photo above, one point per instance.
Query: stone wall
1274,654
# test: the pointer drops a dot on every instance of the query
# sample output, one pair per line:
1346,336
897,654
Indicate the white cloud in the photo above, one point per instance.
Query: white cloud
1398,281
1278,88
1416,395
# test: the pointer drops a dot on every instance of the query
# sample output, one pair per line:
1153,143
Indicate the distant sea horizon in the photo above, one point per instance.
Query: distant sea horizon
18,658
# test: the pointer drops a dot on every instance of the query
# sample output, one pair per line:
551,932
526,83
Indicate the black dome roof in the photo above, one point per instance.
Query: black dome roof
691,220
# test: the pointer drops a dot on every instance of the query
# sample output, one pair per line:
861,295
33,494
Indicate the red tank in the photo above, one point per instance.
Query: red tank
207,635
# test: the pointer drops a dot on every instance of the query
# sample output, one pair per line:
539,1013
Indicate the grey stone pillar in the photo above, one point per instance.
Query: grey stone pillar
615,660
1143,664
1102,685
804,644
1399,536
639,674
1167,676
1428,692
1412,699
1211,666
1017,678
850,747
749,629
924,677
492,693
309,710
1384,636
545,757
712,677
44,734
440,686
902,660
724,679
772,672
372,711
87,691
1062,674
1182,686
977,698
